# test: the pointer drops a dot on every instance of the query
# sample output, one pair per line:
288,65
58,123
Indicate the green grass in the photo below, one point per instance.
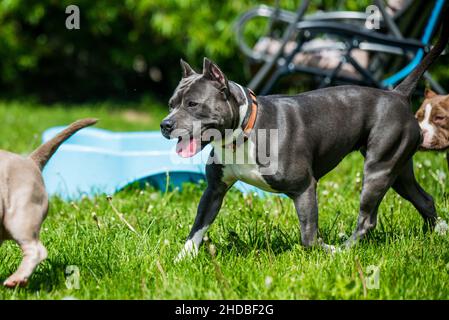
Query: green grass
258,255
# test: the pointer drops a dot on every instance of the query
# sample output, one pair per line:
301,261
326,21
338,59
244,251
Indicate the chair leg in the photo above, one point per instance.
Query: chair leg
272,80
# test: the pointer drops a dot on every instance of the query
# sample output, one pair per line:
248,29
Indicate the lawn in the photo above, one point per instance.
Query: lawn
257,253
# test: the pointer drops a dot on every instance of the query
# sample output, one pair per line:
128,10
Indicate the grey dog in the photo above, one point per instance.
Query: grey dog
316,130
24,201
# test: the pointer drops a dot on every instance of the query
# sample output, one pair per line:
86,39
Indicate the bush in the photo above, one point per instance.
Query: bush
123,49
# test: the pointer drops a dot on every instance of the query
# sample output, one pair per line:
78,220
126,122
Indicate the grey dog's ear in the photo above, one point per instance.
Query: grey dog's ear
212,72
186,69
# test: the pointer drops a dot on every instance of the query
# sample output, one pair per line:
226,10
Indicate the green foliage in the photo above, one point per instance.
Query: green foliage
124,49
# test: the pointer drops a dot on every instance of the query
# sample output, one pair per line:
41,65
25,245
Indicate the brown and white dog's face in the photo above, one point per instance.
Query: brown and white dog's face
433,118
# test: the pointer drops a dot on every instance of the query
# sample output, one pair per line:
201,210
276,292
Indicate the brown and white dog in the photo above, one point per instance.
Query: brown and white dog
24,201
433,118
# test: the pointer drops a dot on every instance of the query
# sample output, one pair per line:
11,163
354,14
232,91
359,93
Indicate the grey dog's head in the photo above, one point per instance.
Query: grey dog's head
200,102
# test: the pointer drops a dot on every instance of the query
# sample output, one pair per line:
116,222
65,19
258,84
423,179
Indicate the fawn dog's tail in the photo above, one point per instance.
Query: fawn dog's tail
42,154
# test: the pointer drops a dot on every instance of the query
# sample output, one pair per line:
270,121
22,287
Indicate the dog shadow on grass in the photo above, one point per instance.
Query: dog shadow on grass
278,241
50,275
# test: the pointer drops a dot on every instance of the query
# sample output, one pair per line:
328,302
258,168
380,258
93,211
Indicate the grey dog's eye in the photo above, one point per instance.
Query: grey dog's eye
192,104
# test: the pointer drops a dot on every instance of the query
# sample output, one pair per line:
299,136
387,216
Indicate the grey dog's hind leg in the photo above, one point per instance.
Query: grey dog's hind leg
374,189
384,161
408,188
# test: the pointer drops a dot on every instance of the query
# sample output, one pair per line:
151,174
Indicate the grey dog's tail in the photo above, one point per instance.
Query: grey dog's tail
408,85
42,154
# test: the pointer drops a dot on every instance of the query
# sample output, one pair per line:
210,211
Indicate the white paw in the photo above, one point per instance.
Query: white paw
331,249
190,250
441,227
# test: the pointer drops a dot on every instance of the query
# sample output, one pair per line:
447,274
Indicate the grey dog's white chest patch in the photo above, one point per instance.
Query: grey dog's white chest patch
240,164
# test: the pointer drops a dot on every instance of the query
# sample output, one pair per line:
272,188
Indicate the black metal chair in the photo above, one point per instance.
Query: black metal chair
393,50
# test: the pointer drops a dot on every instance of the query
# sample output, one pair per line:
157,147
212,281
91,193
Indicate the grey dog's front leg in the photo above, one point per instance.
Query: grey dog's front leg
307,210
208,209
306,205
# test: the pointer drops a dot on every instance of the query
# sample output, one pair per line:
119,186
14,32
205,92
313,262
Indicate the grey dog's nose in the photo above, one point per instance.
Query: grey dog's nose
167,126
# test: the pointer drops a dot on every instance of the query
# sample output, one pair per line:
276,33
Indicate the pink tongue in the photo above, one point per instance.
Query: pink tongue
186,150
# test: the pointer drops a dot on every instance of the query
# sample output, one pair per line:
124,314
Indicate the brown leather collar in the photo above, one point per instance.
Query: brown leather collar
251,114
249,120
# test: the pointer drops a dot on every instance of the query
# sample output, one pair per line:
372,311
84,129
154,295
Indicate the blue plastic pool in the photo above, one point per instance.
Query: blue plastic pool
96,161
